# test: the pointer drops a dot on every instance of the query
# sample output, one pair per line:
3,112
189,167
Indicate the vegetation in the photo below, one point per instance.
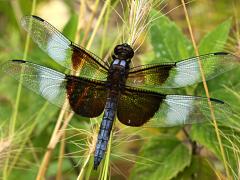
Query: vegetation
33,144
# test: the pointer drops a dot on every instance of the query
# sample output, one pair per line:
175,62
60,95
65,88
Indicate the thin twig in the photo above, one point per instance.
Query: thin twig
207,92
58,130
60,157
53,141
89,24
97,23
193,143
19,90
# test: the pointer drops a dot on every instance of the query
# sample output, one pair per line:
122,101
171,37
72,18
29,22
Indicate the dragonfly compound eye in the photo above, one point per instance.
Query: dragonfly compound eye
124,51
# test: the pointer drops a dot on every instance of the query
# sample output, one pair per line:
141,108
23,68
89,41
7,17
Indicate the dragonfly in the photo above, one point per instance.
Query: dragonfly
115,88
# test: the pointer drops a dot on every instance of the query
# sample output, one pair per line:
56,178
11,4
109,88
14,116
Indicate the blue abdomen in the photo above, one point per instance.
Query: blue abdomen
105,129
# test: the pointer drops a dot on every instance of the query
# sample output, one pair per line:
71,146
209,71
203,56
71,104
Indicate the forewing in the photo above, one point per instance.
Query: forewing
62,50
137,108
183,73
84,98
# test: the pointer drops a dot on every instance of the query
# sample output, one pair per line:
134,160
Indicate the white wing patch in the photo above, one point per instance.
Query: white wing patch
178,109
187,74
57,47
49,84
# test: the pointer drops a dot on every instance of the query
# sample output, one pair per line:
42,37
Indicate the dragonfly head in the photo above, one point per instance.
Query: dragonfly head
123,52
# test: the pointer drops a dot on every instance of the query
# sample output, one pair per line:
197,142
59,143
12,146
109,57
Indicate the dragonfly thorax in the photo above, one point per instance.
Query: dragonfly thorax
119,62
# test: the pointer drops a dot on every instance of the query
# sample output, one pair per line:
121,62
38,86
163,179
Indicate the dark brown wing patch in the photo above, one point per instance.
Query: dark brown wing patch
150,75
182,73
81,57
63,51
136,107
86,98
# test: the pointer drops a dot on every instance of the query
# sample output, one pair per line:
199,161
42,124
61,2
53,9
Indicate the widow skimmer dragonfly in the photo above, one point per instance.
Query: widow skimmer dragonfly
117,89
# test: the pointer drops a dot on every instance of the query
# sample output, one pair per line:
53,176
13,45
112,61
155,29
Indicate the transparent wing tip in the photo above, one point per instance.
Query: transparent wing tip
222,110
25,20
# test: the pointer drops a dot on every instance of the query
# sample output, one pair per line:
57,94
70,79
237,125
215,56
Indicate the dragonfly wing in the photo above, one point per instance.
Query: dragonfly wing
137,108
86,97
62,50
183,73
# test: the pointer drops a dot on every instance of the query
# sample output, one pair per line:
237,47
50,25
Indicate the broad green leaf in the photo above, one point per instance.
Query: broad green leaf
215,40
163,158
70,28
168,41
199,169
205,135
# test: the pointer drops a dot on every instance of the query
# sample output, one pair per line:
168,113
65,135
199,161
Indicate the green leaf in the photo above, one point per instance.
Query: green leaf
53,168
164,158
205,135
168,41
24,174
215,40
200,168
70,28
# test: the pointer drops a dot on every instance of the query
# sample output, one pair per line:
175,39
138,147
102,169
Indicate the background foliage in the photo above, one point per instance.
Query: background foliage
170,153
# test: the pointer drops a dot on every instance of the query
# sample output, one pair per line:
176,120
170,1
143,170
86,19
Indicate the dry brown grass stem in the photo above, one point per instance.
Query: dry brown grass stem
61,156
58,131
99,20
82,9
62,121
89,149
57,134
5,145
89,24
17,11
81,174
234,41
207,92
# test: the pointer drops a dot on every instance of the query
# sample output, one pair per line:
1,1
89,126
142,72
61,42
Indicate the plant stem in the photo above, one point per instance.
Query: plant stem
60,157
107,159
105,25
83,169
90,167
89,24
15,111
16,157
26,49
207,93
57,133
80,17
106,4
